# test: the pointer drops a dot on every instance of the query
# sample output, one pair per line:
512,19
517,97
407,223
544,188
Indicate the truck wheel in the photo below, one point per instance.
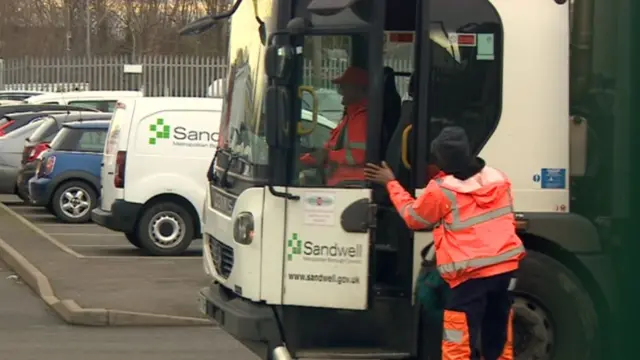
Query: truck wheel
73,201
166,229
133,239
555,317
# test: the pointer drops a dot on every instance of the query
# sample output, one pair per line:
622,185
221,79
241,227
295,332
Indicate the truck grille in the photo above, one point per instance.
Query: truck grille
222,256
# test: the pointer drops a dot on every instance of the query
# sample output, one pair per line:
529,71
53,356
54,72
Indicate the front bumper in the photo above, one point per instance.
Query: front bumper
40,191
122,217
244,320
8,178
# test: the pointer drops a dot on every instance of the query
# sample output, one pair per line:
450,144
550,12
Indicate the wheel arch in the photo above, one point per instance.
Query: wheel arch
57,185
578,268
178,199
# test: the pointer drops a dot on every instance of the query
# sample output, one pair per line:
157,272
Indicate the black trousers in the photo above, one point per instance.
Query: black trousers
477,319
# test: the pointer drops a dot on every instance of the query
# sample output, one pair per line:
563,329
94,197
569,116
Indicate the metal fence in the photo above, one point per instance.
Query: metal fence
155,75
184,76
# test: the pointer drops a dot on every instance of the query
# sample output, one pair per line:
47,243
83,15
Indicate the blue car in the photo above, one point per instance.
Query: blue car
67,180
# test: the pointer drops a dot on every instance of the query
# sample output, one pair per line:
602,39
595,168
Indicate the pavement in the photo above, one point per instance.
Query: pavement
29,330
92,276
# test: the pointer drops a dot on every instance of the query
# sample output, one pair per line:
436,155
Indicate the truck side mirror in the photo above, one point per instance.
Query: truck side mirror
278,61
278,113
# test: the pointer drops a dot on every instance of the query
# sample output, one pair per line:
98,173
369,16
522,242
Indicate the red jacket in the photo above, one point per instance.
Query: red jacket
474,234
346,147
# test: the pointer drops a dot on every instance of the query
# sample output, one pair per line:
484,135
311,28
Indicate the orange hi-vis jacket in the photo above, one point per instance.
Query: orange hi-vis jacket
346,147
475,234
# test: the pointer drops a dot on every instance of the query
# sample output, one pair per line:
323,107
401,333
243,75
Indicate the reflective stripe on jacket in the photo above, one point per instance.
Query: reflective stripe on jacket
346,147
474,232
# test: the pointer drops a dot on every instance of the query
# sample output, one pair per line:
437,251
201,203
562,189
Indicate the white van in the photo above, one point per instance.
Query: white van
104,101
154,169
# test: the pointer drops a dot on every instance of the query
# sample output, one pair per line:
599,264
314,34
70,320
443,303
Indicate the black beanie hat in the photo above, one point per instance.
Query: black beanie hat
452,149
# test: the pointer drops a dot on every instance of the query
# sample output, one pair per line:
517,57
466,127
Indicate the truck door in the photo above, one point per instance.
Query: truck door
327,225
348,265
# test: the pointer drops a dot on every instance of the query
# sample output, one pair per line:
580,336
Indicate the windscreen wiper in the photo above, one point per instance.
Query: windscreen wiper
211,174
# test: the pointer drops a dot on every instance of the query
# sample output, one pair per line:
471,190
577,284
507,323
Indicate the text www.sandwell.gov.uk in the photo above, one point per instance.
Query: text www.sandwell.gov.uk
335,279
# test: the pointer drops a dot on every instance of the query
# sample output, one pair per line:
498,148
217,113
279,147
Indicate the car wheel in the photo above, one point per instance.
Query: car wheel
166,229
554,316
133,239
73,201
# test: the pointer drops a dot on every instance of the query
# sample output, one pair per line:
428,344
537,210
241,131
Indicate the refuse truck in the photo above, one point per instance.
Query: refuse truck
301,269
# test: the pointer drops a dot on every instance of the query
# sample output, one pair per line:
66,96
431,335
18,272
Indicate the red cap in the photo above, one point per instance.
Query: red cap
353,75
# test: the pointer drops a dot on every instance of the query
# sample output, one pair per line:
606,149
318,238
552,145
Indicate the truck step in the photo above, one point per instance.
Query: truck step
351,353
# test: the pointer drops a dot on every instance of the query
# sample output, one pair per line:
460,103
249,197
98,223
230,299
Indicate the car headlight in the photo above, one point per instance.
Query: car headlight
243,228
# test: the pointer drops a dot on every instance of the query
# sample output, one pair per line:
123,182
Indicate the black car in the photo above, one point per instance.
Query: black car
15,116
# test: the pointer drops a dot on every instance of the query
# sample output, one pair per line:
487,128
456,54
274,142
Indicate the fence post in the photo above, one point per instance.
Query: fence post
2,84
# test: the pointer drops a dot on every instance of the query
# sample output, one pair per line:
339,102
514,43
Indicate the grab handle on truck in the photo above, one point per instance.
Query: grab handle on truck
314,109
405,147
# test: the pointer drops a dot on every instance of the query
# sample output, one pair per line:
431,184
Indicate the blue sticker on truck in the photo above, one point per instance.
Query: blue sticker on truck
553,178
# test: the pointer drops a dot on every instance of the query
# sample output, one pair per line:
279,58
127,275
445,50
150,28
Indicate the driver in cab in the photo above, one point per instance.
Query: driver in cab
343,156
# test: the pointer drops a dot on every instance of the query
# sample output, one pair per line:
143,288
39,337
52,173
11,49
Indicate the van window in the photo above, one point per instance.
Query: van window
100,105
80,140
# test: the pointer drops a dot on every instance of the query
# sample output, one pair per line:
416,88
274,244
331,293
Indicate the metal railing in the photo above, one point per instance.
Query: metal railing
183,76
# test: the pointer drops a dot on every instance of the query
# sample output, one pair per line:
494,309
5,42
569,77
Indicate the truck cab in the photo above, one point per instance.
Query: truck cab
302,269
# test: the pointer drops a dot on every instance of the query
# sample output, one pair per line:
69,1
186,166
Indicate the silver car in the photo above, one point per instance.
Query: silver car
12,144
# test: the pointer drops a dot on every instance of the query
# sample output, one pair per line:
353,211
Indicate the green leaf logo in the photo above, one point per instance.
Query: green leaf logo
159,131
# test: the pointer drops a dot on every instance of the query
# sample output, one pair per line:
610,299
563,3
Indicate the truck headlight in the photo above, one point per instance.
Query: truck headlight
243,228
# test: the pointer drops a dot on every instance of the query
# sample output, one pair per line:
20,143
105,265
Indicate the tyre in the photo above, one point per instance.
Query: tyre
133,239
555,317
73,201
166,229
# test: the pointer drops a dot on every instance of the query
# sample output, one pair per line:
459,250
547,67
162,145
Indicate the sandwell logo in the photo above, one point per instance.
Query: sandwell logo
159,131
294,246
334,253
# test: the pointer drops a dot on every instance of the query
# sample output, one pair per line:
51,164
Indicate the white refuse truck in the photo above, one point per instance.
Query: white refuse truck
316,271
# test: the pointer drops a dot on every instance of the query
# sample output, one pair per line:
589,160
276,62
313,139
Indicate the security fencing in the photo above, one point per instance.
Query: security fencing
183,76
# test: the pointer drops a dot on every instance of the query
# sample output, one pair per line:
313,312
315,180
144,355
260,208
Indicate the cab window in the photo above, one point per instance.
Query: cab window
466,68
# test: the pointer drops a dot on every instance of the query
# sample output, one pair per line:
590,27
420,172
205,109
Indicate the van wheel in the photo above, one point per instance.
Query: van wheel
133,239
166,229
73,201
555,317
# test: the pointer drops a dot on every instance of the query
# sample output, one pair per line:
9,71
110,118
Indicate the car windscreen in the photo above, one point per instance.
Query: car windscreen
48,128
79,140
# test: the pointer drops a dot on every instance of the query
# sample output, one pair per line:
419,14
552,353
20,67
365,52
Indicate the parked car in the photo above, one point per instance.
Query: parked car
67,178
330,102
8,124
12,121
18,95
11,146
157,153
100,100
38,142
